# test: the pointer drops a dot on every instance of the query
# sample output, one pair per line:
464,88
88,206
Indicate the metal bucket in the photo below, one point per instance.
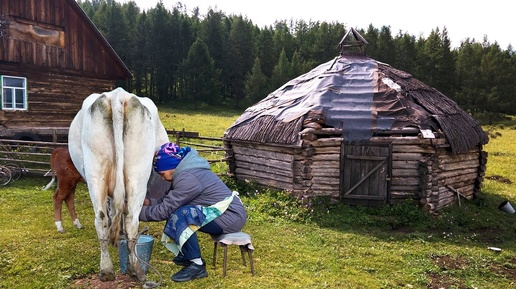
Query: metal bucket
143,250
505,206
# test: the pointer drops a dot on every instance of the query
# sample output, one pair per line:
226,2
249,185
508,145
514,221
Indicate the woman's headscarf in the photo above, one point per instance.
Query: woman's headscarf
169,156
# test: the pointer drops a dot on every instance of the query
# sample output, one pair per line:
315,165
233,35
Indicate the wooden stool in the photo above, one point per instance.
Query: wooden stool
241,239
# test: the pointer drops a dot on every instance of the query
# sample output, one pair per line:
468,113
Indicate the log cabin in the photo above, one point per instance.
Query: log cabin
51,58
361,132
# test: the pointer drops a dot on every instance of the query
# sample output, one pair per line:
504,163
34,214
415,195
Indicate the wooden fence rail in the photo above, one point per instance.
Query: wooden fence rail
34,156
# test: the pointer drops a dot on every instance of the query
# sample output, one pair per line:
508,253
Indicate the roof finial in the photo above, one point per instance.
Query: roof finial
358,41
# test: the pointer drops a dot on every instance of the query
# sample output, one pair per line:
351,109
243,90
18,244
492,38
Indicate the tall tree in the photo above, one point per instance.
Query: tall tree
283,40
265,51
498,84
446,66
159,49
430,59
406,52
467,73
281,72
214,33
371,35
201,76
141,57
386,51
241,50
256,84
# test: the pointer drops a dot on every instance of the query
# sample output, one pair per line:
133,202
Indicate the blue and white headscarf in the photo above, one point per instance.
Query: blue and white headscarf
169,156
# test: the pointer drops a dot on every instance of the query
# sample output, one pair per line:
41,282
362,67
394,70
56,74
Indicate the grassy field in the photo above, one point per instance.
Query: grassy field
299,243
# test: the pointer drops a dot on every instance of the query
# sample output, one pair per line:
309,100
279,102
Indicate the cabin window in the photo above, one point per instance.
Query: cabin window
14,92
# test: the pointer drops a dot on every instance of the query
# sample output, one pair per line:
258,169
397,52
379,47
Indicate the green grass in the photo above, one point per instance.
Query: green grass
299,242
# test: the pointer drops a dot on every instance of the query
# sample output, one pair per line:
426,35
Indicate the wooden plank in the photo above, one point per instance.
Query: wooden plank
455,173
335,150
459,165
324,142
403,187
247,160
406,156
407,165
405,173
404,194
449,158
268,154
325,164
277,175
326,157
263,180
408,181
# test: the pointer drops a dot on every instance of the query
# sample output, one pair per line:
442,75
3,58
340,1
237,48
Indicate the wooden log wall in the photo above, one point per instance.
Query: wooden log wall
268,165
321,164
446,177
423,170
53,98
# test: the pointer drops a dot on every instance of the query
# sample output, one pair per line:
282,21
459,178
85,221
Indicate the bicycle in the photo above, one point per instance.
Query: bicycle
5,175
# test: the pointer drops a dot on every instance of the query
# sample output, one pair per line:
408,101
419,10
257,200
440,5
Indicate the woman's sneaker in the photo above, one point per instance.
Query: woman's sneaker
181,261
191,272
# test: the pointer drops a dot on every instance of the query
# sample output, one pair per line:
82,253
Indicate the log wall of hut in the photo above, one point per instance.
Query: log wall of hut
446,177
53,98
268,165
423,170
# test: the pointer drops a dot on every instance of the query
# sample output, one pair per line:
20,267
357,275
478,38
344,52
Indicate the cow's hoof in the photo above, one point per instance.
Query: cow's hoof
107,276
77,224
137,275
61,231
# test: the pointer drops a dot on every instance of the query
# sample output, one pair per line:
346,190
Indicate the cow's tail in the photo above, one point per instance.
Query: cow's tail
52,158
118,204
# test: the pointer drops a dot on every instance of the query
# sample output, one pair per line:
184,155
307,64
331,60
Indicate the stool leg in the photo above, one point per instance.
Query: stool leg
242,250
250,254
225,259
214,254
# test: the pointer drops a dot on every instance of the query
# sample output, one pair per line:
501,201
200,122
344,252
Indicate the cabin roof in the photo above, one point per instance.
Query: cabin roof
361,96
100,37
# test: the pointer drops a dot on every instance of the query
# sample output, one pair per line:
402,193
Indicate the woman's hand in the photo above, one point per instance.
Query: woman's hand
146,202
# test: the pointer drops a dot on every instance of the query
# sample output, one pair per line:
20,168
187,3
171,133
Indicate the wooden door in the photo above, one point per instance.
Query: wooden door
365,174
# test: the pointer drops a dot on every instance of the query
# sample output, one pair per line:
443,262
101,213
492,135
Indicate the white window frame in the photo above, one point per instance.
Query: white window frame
15,91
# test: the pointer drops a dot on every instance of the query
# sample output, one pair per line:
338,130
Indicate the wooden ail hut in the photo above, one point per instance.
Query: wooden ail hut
51,58
363,132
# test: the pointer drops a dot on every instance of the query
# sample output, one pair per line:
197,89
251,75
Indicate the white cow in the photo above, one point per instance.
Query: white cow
112,140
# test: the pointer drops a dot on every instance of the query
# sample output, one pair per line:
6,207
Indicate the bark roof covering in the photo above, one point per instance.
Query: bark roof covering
361,96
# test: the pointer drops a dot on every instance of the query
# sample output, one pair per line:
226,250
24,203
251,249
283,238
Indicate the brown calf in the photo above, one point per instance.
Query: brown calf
67,179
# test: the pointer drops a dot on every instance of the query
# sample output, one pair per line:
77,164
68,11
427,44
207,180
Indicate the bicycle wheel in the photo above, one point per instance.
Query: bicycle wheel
16,171
5,176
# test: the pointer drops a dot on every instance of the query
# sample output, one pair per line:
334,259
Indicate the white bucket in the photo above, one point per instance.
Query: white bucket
505,206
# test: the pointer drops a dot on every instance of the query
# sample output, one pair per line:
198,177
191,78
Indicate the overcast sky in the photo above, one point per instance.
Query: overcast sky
463,19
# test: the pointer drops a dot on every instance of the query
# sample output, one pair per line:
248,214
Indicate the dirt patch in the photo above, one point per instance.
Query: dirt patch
508,270
446,262
499,179
487,235
93,282
439,281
